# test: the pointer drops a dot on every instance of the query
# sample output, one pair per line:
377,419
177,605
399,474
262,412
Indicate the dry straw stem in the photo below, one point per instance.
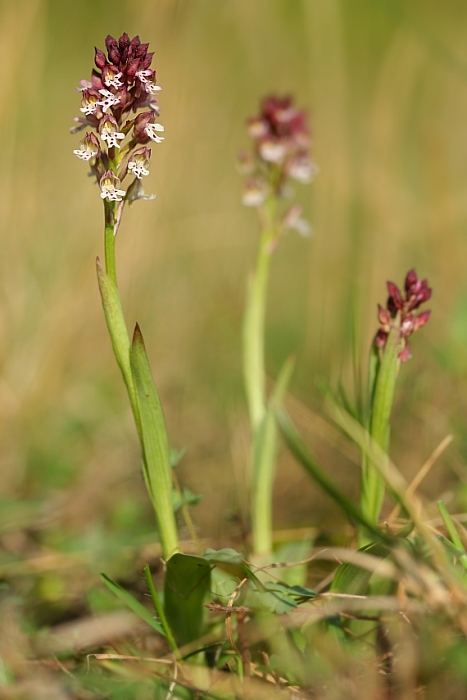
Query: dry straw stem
422,473
340,555
212,683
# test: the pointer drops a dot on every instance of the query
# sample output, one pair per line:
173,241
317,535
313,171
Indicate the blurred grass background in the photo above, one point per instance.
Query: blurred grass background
385,84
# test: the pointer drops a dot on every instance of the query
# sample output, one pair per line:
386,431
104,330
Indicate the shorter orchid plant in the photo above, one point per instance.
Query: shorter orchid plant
280,154
399,319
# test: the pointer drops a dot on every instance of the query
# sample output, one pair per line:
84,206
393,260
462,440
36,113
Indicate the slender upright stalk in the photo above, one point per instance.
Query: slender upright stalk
280,154
253,329
263,428
109,242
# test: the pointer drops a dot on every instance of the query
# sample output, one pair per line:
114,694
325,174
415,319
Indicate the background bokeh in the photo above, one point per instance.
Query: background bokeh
385,85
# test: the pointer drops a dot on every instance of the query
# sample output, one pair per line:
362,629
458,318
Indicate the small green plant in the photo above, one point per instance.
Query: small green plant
399,319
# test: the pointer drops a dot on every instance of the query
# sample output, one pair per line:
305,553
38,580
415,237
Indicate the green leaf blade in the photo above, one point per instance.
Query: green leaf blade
156,449
134,604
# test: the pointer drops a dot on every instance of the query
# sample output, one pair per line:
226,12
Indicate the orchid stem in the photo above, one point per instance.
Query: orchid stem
109,241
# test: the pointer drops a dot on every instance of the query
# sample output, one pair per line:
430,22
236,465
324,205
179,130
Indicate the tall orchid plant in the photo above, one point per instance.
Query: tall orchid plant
119,111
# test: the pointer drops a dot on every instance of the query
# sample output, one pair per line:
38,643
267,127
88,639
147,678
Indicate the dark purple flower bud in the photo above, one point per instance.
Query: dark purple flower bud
132,68
399,310
126,98
124,41
383,316
421,319
96,81
145,61
125,47
410,280
100,58
395,296
112,50
141,50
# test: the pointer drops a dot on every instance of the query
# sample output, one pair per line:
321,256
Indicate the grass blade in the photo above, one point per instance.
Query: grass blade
133,604
300,451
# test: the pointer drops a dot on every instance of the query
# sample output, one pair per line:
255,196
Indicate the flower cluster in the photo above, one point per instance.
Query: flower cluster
417,292
117,131
280,154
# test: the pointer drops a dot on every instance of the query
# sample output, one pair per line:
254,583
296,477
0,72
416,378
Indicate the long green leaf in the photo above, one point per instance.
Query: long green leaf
304,457
156,450
373,487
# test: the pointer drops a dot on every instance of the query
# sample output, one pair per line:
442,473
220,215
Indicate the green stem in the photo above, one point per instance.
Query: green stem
372,489
264,466
253,335
253,325
262,422
109,241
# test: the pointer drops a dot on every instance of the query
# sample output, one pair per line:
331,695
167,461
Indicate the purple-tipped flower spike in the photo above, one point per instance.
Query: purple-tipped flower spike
122,83
281,144
417,292
280,154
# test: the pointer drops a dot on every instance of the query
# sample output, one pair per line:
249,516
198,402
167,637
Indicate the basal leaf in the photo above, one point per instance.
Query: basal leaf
187,580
